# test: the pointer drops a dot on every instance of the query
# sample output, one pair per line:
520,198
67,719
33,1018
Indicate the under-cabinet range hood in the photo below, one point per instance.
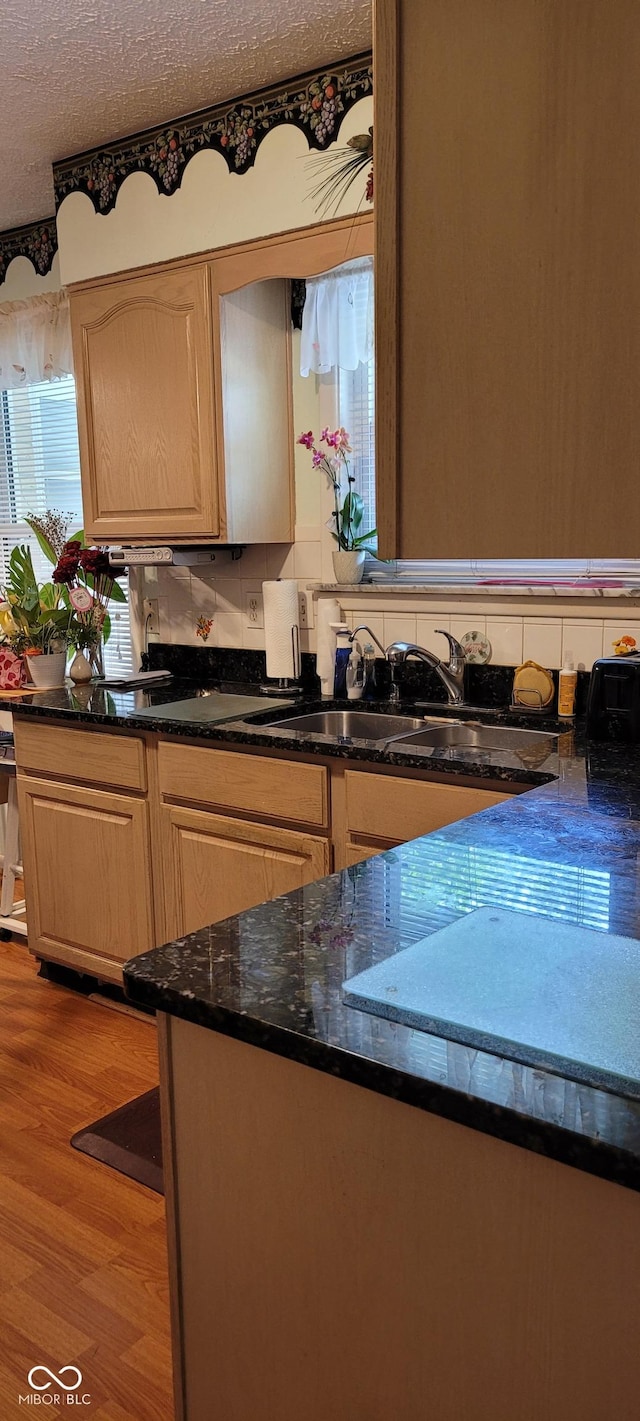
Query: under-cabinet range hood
170,557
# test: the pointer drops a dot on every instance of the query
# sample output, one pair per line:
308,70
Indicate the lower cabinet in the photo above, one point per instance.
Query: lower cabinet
110,871
215,866
383,811
87,867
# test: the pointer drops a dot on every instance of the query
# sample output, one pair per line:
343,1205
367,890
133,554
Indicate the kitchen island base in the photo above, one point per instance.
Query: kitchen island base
342,1256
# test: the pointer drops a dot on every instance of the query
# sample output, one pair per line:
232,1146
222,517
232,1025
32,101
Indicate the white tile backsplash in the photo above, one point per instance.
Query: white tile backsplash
374,620
227,629
399,627
280,561
184,594
542,642
614,630
427,635
228,594
505,635
583,640
470,622
308,562
252,564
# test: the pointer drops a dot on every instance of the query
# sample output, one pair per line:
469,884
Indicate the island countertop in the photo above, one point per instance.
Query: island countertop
273,976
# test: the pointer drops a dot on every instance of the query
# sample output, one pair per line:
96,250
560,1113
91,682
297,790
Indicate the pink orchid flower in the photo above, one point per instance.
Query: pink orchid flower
306,439
317,458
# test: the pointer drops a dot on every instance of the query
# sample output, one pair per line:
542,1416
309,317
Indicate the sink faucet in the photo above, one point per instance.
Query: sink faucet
451,672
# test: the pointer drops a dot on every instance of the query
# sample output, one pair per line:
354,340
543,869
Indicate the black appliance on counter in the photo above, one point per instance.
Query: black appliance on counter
613,707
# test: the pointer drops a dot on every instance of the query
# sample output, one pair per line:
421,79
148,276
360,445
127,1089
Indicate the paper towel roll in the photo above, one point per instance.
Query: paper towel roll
280,618
328,611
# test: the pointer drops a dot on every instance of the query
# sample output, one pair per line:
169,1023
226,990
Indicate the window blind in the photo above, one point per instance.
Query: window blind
40,469
356,402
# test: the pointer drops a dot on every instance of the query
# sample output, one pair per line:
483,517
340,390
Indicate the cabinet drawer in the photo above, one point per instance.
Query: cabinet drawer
253,784
396,809
70,753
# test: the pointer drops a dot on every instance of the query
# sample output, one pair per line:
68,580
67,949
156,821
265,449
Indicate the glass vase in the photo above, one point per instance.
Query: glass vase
96,657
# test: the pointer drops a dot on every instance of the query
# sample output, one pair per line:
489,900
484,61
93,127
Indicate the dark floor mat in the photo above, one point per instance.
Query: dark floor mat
128,1140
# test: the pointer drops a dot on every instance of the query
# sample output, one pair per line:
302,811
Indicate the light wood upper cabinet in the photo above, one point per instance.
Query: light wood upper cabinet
185,393
507,278
144,370
214,866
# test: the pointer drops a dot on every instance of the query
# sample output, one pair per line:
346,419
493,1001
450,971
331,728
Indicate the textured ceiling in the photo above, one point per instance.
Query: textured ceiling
74,75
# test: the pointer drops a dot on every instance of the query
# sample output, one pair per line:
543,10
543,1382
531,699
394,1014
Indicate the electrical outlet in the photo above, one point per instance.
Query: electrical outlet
305,609
151,619
253,610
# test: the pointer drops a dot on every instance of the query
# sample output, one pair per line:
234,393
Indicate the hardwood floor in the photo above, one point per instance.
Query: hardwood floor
83,1271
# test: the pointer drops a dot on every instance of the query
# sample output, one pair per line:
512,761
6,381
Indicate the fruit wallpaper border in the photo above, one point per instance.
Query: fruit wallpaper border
314,103
38,241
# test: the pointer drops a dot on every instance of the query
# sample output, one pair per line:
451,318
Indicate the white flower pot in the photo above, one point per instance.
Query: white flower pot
80,669
348,566
48,670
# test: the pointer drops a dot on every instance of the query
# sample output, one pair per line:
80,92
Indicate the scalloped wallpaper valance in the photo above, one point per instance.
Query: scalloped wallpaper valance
38,241
314,103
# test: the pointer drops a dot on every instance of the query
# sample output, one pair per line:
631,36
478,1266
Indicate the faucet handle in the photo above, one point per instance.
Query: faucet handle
456,651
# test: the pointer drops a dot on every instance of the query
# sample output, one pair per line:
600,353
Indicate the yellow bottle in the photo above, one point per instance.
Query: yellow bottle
567,682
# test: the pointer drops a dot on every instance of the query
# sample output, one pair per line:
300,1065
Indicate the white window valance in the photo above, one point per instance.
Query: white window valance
337,321
35,340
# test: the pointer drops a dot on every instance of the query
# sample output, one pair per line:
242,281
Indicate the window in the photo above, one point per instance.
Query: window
40,469
356,404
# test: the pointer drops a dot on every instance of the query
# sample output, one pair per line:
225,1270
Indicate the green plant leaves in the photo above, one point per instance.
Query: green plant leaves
22,578
43,543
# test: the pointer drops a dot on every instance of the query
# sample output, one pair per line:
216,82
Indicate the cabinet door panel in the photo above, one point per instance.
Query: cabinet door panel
507,278
87,874
215,867
143,354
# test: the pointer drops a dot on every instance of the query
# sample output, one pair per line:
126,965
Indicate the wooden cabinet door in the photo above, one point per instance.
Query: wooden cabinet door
144,371
214,867
87,875
507,278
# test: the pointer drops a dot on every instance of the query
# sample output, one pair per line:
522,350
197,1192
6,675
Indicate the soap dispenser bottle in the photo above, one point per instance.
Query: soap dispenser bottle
355,673
343,652
567,683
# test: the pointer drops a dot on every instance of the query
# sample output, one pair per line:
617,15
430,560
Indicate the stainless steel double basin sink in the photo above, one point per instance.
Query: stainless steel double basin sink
451,738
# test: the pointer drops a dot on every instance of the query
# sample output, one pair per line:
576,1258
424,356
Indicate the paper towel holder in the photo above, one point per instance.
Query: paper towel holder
285,685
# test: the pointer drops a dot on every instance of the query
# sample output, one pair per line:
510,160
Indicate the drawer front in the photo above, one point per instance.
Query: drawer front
70,753
380,806
272,789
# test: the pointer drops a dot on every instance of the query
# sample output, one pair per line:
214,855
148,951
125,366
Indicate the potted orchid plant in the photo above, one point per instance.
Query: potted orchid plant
347,516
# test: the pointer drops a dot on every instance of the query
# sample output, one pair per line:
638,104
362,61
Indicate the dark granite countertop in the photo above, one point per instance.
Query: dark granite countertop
273,976
567,849
130,710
